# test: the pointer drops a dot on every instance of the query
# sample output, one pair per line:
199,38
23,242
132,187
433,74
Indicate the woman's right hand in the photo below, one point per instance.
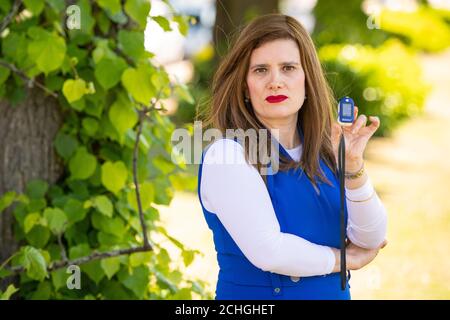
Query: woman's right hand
356,257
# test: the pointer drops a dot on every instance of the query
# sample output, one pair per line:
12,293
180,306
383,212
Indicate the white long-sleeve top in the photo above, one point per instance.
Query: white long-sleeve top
234,191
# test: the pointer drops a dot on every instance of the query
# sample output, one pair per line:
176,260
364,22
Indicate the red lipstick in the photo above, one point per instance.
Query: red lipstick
276,99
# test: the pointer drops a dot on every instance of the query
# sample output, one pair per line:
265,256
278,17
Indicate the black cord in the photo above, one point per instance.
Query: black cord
341,171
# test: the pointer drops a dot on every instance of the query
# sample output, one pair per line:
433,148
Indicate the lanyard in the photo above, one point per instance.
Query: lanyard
341,171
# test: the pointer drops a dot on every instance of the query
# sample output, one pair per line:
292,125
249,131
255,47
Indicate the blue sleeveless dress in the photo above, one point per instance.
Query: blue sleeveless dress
301,211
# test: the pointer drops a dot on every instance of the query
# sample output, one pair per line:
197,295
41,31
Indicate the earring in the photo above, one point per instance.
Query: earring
247,103
305,97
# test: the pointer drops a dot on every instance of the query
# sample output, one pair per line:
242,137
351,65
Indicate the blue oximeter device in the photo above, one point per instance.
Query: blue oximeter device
346,111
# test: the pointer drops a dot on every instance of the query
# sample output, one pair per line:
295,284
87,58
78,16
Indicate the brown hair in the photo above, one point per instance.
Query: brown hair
229,111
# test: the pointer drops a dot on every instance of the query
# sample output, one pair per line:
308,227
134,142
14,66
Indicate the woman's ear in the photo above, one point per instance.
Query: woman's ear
246,92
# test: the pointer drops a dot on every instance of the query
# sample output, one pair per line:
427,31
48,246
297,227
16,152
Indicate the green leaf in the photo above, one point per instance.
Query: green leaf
37,189
94,271
31,220
46,49
163,282
103,22
80,189
138,10
164,165
38,236
163,258
86,19
74,210
59,278
109,71
74,89
113,6
114,175
79,105
57,5
102,51
132,43
4,74
104,205
56,219
122,115
161,82
34,263
65,145
42,292
147,195
9,292
83,164
183,93
107,240
110,266
35,6
5,6
36,204
138,83
114,226
54,82
188,257
140,258
90,125
163,23
14,46
79,251
175,277
137,281
182,294
7,199
183,24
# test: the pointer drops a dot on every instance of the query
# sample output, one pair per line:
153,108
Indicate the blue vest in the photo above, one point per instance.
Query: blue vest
300,210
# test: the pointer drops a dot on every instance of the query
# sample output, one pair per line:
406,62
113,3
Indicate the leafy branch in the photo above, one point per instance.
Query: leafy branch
10,16
94,256
114,253
30,81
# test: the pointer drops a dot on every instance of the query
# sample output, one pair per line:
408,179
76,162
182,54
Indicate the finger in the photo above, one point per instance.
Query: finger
335,131
356,112
360,122
375,124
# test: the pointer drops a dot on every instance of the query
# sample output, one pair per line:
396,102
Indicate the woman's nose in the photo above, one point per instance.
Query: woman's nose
275,81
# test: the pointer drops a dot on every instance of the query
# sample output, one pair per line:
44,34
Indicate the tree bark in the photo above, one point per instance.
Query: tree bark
232,14
27,132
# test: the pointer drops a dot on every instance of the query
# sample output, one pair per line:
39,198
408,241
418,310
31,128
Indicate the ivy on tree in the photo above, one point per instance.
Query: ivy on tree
100,214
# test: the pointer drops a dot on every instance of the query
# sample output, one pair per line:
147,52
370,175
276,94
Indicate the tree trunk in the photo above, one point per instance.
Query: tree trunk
231,14
27,131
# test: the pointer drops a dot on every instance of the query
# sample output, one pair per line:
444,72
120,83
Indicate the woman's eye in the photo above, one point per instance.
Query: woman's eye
289,68
260,70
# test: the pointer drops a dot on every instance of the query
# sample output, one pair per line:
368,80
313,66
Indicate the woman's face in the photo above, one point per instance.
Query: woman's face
276,81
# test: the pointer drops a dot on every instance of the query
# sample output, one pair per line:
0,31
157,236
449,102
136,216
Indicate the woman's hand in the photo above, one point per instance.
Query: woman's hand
356,137
356,257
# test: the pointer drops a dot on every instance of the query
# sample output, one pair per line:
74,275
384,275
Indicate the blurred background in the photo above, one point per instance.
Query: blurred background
393,58
87,115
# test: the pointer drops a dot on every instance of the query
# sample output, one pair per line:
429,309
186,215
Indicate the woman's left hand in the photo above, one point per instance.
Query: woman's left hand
356,137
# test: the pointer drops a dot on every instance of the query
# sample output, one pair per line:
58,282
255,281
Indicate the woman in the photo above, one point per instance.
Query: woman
277,235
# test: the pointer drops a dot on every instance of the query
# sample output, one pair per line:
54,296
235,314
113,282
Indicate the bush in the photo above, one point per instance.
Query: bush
424,29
